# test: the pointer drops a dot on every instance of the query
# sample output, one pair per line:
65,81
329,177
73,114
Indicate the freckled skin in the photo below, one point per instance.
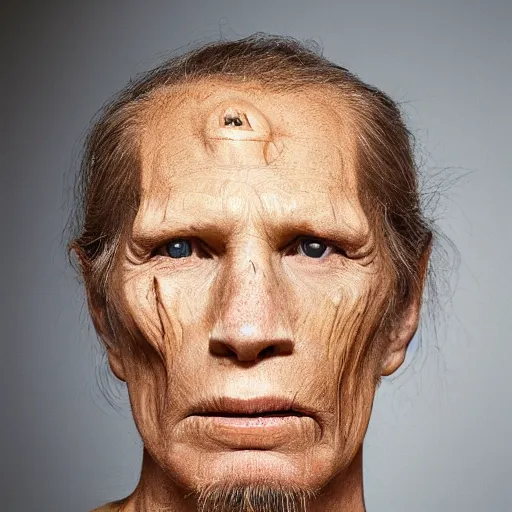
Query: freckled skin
247,315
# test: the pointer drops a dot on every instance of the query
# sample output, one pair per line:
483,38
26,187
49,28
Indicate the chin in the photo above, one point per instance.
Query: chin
253,481
306,471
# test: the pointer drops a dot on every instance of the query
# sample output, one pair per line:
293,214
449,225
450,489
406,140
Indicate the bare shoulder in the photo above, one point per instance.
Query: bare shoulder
108,507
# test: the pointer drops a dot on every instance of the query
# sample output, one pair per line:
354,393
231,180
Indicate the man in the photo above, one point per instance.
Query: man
254,253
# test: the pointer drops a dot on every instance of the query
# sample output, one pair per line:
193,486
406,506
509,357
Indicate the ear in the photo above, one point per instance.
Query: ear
102,325
115,361
406,327
98,312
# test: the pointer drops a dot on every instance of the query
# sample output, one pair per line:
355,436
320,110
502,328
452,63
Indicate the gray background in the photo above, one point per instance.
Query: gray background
439,439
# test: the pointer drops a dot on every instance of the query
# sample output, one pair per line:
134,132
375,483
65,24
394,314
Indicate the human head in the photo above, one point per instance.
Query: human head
328,150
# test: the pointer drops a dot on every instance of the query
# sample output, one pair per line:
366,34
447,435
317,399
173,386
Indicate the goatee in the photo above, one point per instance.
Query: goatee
252,498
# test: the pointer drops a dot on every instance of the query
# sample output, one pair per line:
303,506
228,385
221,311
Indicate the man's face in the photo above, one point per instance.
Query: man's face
251,288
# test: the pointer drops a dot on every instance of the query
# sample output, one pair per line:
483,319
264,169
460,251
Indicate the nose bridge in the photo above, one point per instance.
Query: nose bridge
249,298
251,318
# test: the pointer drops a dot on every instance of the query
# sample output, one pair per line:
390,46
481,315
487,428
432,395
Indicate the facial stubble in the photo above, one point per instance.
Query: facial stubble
252,498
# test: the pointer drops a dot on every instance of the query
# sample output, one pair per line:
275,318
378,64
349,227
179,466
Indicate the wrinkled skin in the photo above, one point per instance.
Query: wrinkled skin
248,313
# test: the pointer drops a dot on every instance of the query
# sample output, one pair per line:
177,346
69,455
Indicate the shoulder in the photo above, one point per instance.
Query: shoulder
108,507
115,506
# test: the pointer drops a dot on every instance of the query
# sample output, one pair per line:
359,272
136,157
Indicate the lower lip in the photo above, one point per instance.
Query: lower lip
267,432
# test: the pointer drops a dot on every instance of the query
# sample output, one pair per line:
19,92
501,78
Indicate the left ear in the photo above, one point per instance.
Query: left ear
405,328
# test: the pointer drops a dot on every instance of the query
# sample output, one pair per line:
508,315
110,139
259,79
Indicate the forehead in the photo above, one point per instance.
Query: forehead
294,148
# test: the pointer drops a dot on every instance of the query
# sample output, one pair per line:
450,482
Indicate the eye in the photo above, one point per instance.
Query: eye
312,248
178,248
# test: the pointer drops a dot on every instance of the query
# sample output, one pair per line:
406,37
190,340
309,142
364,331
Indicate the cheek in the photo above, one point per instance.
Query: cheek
157,309
162,319
341,335
347,306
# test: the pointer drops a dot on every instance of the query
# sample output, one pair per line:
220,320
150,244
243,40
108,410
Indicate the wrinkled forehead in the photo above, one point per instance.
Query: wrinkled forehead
208,129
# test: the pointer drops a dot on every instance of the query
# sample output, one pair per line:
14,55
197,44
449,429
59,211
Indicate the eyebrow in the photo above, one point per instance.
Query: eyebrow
175,226
338,233
221,229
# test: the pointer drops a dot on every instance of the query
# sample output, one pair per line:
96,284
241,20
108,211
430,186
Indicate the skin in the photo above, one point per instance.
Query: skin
249,314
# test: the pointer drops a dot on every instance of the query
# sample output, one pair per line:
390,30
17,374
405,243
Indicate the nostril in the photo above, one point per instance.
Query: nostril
233,118
232,121
221,349
281,348
268,352
249,350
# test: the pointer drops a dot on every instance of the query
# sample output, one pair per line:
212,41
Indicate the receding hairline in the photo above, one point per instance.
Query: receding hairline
197,88
163,99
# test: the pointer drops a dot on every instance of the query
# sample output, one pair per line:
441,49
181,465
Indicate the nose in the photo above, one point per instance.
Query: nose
250,348
252,322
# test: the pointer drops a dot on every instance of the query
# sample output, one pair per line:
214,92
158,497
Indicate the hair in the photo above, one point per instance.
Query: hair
252,498
108,187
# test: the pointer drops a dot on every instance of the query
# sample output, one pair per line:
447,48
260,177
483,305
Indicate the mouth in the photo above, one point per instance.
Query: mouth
253,415
262,423
257,420
261,407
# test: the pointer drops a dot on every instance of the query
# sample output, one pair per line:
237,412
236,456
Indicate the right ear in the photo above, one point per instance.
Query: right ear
98,311
104,330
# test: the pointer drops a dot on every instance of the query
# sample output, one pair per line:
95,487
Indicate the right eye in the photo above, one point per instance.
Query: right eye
178,248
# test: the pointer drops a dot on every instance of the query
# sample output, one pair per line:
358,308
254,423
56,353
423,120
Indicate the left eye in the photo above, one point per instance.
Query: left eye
313,248
178,248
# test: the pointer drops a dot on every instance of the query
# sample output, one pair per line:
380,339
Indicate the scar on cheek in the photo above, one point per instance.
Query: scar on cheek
159,307
171,332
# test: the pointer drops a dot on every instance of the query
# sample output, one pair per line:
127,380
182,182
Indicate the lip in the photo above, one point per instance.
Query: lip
258,406
259,423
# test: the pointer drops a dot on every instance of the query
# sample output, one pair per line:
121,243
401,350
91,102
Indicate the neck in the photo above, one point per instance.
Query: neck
157,492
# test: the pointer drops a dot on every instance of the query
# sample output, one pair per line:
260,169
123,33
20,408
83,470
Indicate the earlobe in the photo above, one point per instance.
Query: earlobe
102,326
116,362
400,338
406,328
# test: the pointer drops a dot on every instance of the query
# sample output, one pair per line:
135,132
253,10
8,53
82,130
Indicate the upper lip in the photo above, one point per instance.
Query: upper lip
216,406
